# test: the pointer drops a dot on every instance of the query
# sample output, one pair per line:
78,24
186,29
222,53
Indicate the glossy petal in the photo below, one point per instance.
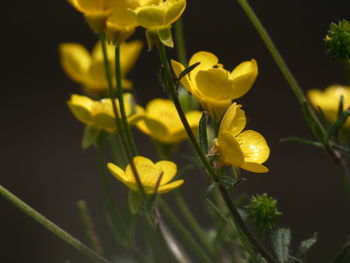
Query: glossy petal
81,107
171,186
157,129
244,76
169,170
117,172
206,59
254,146
254,167
234,120
146,169
174,12
230,150
185,81
75,60
151,16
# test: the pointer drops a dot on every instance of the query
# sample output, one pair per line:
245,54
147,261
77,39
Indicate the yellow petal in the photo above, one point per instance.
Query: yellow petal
168,187
244,75
81,108
169,170
117,172
129,52
121,20
207,60
254,167
234,120
146,169
104,121
193,118
174,12
185,81
75,60
254,146
230,150
214,83
157,130
151,16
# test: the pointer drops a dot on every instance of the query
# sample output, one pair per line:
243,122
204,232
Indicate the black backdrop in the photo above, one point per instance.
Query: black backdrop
41,158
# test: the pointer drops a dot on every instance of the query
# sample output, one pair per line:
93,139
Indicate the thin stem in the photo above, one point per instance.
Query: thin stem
185,234
280,63
342,253
116,114
186,212
118,77
89,226
86,251
229,203
180,42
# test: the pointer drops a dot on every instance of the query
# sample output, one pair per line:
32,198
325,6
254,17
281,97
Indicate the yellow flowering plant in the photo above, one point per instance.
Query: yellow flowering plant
145,225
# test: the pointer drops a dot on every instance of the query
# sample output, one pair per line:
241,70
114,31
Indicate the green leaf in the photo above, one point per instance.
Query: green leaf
134,201
334,130
227,181
281,241
209,190
305,246
303,141
90,136
203,137
165,36
188,70
317,130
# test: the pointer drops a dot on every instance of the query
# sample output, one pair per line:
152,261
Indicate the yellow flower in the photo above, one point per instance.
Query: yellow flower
214,86
163,123
149,173
328,100
153,14
97,11
100,113
88,69
247,149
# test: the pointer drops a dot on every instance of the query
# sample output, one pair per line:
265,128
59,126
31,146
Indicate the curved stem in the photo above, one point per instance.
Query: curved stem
228,201
116,114
119,92
49,225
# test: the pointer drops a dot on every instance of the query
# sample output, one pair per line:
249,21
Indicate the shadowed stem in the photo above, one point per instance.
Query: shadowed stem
228,201
116,114
180,42
75,243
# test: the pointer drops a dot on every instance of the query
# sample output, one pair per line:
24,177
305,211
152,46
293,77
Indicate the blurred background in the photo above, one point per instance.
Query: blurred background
41,157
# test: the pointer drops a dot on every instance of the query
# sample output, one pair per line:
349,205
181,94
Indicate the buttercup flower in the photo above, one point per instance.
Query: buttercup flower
328,100
149,173
247,149
154,14
100,113
88,69
163,123
97,11
214,86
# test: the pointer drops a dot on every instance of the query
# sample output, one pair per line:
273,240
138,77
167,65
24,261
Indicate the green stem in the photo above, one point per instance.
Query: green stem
180,42
116,114
184,233
118,77
308,111
229,203
185,211
86,251
89,226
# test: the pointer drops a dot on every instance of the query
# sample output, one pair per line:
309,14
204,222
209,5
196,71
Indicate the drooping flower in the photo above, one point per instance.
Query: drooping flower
162,122
150,173
154,14
328,100
100,113
245,149
214,86
88,69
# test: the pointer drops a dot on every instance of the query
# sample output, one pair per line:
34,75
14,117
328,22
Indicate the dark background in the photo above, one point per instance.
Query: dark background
41,158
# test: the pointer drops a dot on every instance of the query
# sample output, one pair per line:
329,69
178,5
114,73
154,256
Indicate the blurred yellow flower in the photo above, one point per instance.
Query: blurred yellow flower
162,122
214,86
97,11
328,100
100,113
149,173
247,149
153,14
88,69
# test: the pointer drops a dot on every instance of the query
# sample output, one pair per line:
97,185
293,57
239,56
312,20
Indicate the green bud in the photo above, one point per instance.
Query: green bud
262,211
337,41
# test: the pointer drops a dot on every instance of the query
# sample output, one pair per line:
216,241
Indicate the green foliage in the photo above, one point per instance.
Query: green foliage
306,245
203,137
337,41
92,136
263,212
281,239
